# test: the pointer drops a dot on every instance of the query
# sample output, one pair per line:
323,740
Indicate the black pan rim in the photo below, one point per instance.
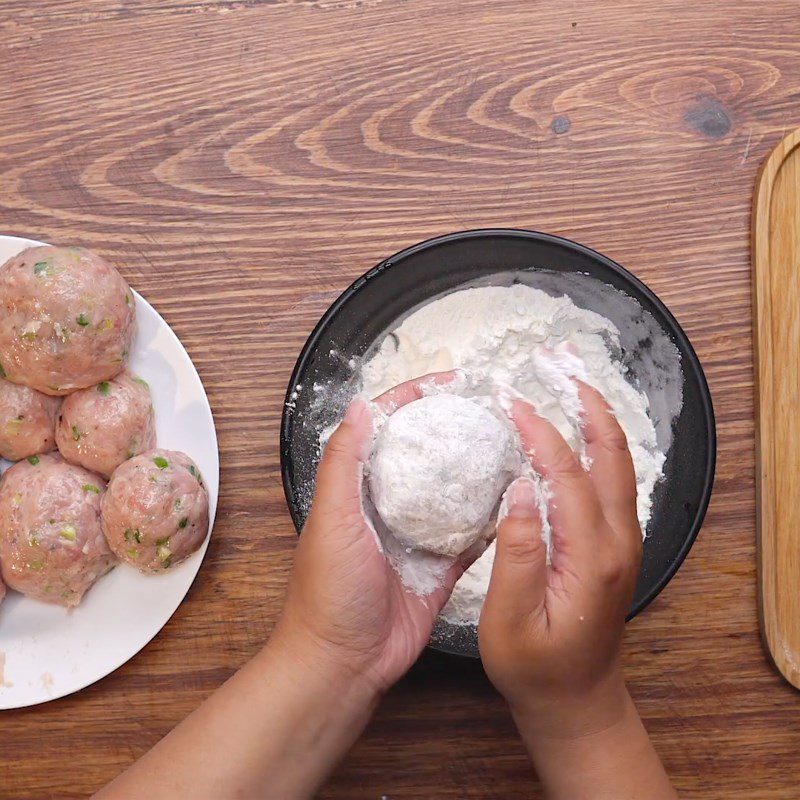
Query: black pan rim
675,329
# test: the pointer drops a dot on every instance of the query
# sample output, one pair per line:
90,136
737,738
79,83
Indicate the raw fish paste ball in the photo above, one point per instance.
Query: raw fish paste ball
27,421
52,546
67,319
155,512
104,425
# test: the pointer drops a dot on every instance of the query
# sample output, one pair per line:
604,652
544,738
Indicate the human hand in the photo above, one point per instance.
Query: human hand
346,604
550,635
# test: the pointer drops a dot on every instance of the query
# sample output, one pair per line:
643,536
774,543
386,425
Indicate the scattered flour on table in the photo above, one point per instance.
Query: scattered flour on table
516,339
3,682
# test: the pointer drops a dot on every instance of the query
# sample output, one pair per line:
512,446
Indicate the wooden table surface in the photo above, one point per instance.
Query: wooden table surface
243,162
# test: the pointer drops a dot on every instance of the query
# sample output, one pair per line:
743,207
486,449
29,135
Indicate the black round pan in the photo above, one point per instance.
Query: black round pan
377,300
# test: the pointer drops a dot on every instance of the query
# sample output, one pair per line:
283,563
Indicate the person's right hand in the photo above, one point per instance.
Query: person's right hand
550,634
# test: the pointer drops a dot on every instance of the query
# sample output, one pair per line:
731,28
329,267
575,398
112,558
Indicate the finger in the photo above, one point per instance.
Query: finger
445,573
412,390
611,469
439,597
451,577
340,472
573,509
519,574
453,573
474,552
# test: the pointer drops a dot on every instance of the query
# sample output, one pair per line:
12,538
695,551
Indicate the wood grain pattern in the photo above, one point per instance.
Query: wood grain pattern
776,328
244,161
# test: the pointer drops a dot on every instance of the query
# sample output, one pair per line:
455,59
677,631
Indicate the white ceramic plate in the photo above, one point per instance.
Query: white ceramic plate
49,651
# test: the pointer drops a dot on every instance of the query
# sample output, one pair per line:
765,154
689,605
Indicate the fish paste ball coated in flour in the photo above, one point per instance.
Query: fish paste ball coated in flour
52,546
104,425
155,512
67,319
27,421
437,470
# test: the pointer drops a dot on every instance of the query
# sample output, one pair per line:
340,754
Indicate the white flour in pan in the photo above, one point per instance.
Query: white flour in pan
520,339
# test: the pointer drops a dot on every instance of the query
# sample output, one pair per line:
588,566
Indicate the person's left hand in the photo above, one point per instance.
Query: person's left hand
344,598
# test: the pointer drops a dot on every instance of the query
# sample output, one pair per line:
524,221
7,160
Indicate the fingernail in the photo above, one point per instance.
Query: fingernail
357,411
519,500
359,417
521,408
507,396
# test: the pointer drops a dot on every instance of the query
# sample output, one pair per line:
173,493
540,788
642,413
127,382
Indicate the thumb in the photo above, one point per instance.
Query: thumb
341,468
519,575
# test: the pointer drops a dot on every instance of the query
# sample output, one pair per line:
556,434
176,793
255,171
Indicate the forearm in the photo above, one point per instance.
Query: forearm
274,730
613,760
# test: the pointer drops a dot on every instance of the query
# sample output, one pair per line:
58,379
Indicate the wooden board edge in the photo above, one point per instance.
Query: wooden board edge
776,648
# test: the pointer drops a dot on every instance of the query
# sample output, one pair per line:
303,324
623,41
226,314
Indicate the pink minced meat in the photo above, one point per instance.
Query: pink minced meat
104,425
27,421
155,511
67,319
52,546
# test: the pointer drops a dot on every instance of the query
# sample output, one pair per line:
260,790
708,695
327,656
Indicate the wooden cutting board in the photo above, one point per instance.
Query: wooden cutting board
776,309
